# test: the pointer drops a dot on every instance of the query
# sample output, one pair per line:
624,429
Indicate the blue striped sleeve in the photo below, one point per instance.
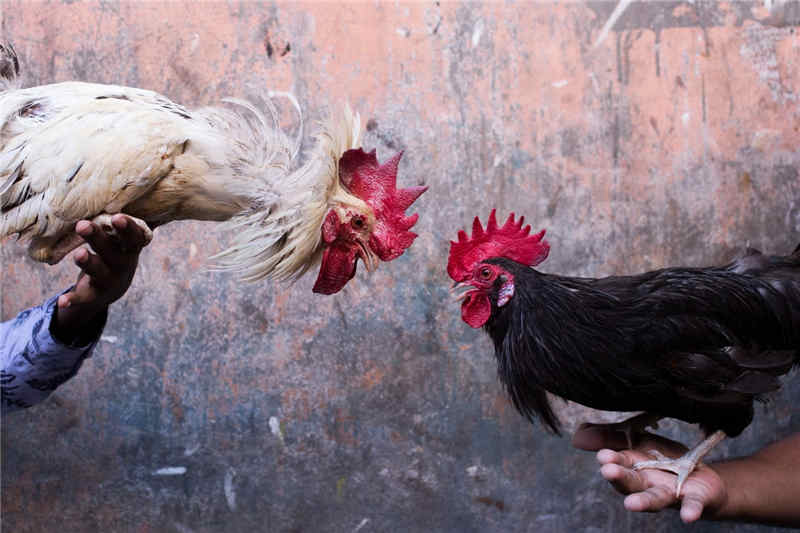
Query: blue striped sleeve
34,363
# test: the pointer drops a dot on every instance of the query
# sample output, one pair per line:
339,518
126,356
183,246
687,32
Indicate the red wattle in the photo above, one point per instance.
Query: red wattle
476,309
337,268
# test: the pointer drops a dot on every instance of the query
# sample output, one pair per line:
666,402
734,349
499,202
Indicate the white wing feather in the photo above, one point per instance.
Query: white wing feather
71,156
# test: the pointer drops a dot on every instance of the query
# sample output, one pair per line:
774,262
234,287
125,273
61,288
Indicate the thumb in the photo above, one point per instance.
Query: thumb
76,297
82,293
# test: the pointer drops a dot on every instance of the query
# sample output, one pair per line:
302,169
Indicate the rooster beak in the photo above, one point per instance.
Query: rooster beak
465,287
371,262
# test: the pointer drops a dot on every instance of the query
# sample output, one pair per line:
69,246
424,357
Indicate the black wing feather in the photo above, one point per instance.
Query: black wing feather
697,344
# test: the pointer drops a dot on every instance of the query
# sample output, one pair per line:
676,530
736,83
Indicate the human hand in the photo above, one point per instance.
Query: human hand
105,275
650,490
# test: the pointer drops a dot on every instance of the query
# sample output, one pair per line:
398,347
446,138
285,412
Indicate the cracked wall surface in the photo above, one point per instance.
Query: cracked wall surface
640,134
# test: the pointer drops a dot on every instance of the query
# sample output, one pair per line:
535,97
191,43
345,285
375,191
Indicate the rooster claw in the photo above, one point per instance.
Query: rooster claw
682,467
104,222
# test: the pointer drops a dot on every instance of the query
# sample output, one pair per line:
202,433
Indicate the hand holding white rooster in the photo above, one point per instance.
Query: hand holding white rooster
73,150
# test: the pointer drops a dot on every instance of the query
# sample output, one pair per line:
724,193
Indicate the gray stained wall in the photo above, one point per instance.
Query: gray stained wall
211,405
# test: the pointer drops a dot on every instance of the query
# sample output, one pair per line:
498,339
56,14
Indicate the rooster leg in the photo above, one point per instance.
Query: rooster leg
65,245
104,222
51,250
636,425
684,465
631,427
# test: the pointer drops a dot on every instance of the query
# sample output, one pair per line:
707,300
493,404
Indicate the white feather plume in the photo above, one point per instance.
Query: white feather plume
280,238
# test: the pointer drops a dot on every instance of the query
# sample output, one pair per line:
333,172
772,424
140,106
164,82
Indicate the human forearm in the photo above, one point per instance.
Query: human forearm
764,487
34,360
45,346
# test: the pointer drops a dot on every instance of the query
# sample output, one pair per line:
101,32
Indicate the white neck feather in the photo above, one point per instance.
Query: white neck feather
279,235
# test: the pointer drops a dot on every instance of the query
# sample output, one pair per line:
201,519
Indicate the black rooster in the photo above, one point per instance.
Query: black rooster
696,344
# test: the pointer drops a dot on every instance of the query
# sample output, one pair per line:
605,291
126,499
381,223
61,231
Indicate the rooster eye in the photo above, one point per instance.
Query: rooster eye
486,273
358,222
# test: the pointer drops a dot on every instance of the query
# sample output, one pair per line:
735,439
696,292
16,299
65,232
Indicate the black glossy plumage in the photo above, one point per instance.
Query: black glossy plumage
696,344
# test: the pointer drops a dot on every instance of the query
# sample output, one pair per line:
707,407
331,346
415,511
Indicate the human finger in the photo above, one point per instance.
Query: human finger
64,300
623,479
93,266
86,295
130,234
99,240
625,459
653,499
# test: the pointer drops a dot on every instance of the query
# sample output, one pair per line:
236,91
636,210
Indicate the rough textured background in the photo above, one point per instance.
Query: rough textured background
673,141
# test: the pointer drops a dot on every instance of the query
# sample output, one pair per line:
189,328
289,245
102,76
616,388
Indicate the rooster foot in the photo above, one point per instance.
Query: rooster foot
681,466
51,250
104,222
685,464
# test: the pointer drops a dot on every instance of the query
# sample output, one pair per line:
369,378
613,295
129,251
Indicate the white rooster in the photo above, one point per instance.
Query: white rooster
73,150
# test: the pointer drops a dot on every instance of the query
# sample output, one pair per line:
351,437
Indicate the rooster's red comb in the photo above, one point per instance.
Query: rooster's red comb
511,241
376,184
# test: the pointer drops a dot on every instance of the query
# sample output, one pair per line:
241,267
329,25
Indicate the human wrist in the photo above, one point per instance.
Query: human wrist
730,502
77,325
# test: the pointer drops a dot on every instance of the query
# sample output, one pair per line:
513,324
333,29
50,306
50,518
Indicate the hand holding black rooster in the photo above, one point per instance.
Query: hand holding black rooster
651,490
760,488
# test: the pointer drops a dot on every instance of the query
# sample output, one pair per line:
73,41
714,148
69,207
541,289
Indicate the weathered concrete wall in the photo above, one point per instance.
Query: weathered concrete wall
674,140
